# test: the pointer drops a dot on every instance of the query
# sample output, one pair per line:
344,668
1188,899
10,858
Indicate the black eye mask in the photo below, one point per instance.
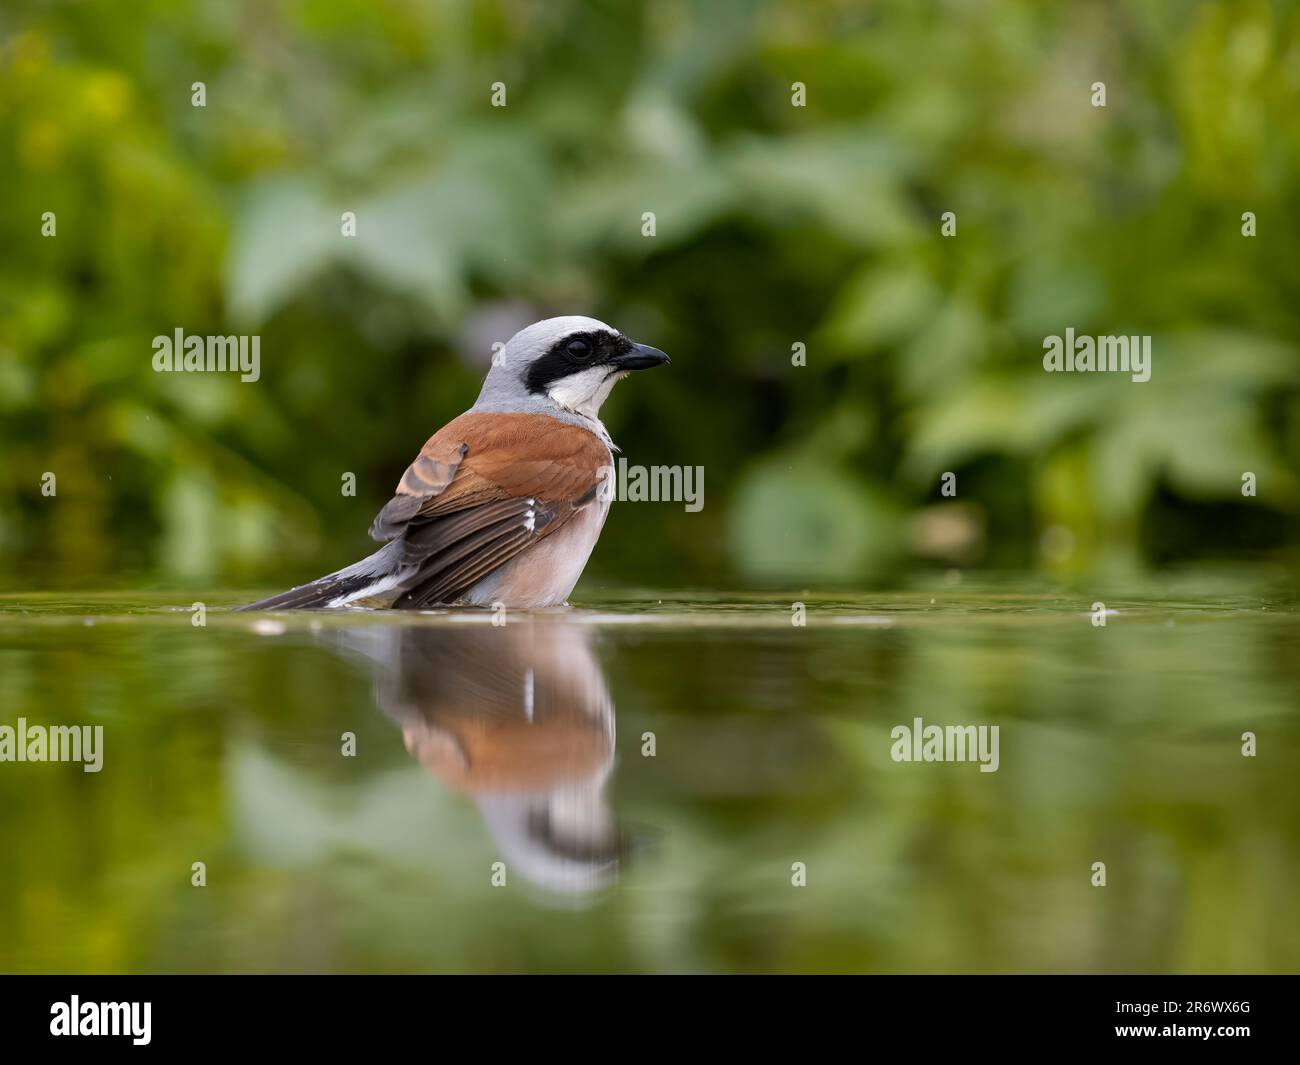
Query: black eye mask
562,360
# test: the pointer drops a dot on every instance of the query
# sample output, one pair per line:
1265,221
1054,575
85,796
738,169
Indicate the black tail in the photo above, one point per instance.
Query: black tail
378,571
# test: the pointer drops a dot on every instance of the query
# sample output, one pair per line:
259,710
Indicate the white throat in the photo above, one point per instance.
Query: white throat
582,393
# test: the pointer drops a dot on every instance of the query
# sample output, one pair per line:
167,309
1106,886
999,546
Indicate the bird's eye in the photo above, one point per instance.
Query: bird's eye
578,349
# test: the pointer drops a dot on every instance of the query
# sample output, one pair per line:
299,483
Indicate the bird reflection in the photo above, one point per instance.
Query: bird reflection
519,718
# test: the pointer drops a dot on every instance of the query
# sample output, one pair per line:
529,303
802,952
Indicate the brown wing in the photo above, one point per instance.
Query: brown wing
484,488
427,477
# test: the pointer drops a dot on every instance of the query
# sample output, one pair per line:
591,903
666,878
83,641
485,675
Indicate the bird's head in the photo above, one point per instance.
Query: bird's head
572,362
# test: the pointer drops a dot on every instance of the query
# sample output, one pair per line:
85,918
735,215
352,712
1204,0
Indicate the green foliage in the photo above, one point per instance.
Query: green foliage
775,224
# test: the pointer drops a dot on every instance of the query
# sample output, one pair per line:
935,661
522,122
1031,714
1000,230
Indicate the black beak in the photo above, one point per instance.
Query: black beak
641,357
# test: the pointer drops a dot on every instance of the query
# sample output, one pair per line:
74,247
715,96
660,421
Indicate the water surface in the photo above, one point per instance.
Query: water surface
640,784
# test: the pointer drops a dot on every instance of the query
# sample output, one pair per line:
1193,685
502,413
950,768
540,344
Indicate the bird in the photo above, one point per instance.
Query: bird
516,718
503,505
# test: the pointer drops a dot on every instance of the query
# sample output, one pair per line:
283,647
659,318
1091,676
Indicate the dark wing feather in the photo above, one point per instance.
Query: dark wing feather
431,536
449,574
425,479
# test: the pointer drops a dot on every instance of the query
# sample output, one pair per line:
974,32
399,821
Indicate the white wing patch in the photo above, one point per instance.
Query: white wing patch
384,584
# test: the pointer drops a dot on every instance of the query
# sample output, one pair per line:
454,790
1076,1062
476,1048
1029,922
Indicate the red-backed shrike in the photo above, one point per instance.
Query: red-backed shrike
503,505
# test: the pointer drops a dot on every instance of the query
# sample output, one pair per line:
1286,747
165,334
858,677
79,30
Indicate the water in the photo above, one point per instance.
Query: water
529,745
